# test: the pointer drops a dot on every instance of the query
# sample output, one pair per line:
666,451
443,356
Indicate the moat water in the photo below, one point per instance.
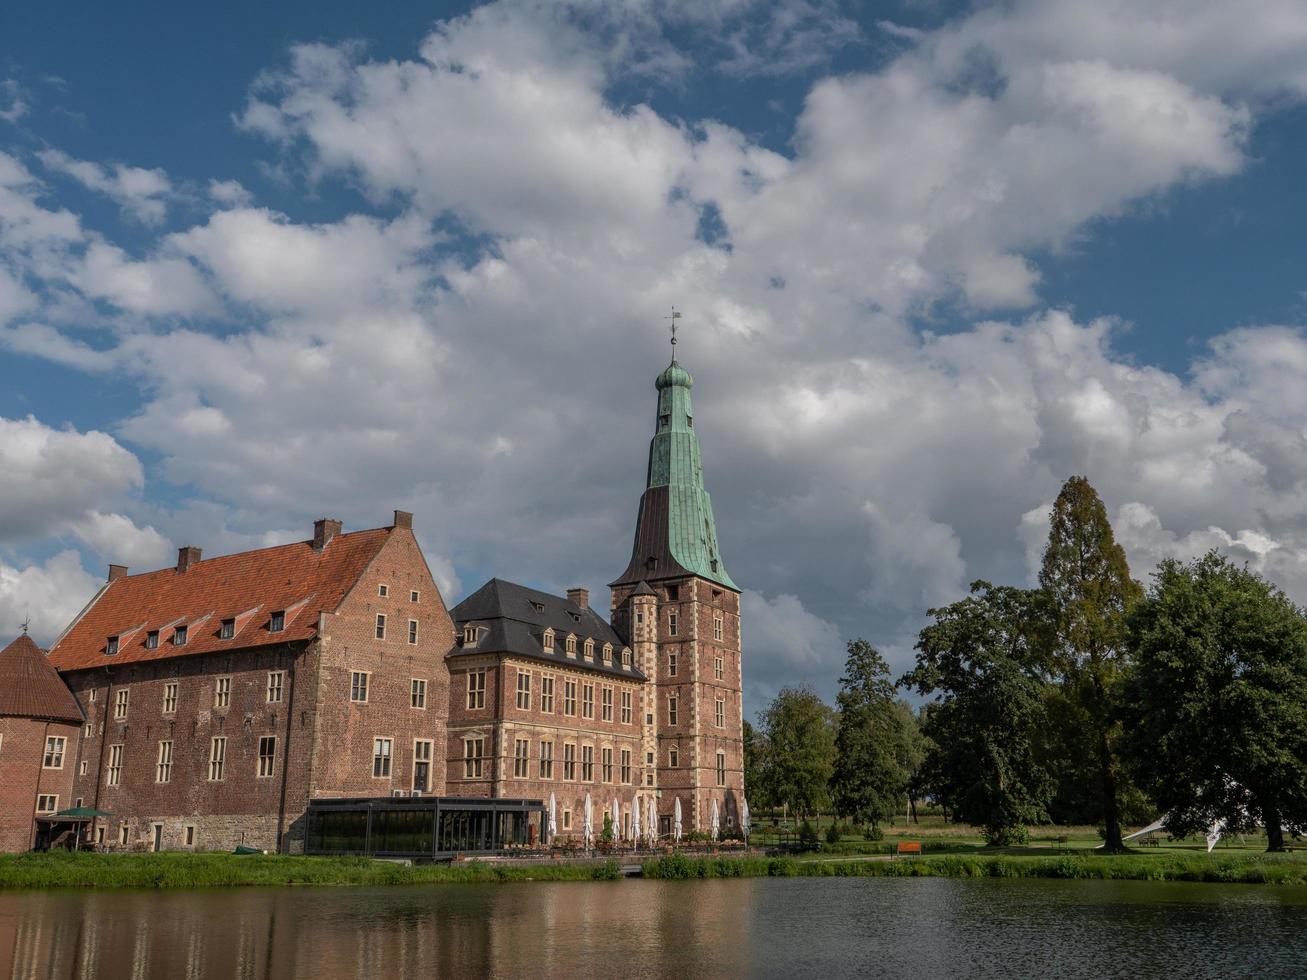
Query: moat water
835,927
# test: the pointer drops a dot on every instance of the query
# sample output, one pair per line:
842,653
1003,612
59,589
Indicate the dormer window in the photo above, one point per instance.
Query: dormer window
227,630
608,654
179,636
589,649
470,637
571,645
689,420
537,606
277,622
626,657
152,640
111,646
549,641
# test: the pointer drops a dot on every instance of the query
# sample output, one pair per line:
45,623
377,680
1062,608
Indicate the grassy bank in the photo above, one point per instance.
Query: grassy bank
1286,869
178,870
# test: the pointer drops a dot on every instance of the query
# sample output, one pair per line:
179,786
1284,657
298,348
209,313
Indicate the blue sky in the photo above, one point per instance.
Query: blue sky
289,260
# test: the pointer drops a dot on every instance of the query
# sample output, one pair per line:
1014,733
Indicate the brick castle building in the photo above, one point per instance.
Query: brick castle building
209,704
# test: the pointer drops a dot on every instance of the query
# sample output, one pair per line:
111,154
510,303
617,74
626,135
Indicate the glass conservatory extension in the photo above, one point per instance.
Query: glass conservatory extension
424,826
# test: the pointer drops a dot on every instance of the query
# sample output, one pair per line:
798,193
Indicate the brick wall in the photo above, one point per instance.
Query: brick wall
23,779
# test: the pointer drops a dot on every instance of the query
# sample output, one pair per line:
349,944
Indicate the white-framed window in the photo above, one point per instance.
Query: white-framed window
473,751
521,758
276,678
548,641
626,656
469,635
671,709
358,686
546,760
163,767
587,763
413,595
671,663
717,626
606,764
267,756
626,766
626,708
81,768
587,701
570,645
476,689
673,757
569,697
277,621
418,693
606,704
381,752
54,752
47,803
169,697
383,590
671,623
719,714
381,626
217,758
412,632
608,654
87,731
421,765
547,693
523,691
717,667
589,650
222,692
569,760
721,768
120,704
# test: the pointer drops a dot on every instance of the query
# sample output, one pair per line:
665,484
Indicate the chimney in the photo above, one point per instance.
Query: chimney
186,557
116,572
403,519
324,529
580,596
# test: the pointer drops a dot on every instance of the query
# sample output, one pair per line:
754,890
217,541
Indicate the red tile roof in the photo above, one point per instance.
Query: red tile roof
247,587
31,688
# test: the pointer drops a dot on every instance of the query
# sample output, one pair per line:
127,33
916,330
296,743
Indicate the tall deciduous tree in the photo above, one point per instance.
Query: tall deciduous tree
1087,581
1216,705
981,657
869,777
799,739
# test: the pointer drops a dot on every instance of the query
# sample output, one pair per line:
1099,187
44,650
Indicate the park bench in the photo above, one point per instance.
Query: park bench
908,847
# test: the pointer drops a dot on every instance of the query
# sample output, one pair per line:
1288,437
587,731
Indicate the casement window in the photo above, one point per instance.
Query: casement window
111,646
547,693
54,752
717,627
421,765
217,758
639,617
717,668
626,707
671,663
673,757
381,758
571,646
546,760
648,758
608,654
587,701
521,758
120,705
721,768
671,709
277,622
163,767
222,692
267,755
476,689
412,632
358,686
569,698
473,750
548,641
418,693
383,590
671,623
587,763
179,636
381,626
606,763
152,640
590,650
626,657
276,678
169,697
46,803
567,819
569,760
227,630
523,691
606,704
626,765
413,595
115,772
719,715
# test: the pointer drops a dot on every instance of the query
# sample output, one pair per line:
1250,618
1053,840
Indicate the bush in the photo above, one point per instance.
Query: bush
873,833
1006,836
610,870
807,833
833,834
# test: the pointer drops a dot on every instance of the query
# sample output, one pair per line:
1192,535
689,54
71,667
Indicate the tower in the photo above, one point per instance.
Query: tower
680,611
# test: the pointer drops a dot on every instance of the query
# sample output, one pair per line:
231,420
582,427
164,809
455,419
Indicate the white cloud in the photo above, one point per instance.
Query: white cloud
13,101
119,541
230,193
153,287
142,194
48,594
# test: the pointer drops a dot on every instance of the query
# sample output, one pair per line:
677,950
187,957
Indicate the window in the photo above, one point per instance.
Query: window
608,654
418,693
648,758
664,421
381,626
671,663
88,731
719,716
721,768
381,758
717,668
152,640
671,623
169,698
626,656
587,701
46,803
673,757
267,755
671,709
383,590
91,694
275,680
179,636
606,762
546,760
521,758
569,760
673,593
227,630
120,705
469,636
277,622
717,627
523,691
222,692
217,758
358,686
413,595
587,763
590,650
163,768
626,765
111,646
567,819
626,707
571,647
473,750
421,765
537,606
122,835
476,689
413,632
54,752
188,835
606,704
548,641
569,697
81,768
547,693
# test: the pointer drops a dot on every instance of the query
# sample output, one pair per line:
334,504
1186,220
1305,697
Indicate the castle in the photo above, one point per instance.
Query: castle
219,702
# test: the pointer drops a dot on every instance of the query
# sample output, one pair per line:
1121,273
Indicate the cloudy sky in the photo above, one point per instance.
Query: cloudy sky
265,265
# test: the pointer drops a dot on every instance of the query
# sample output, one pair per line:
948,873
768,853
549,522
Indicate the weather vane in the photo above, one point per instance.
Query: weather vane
673,318
27,621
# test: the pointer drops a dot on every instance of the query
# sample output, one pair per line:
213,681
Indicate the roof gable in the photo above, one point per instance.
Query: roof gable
31,688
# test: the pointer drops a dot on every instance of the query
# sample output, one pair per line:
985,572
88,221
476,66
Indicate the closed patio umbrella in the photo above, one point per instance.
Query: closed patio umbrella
744,820
589,822
651,808
676,821
553,818
617,819
635,820
713,822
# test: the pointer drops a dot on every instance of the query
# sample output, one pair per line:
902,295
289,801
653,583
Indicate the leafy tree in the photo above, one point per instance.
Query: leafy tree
981,657
913,749
1216,706
1087,581
869,777
752,762
799,740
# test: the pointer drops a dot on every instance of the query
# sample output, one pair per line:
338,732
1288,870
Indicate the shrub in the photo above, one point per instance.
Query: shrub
807,833
833,834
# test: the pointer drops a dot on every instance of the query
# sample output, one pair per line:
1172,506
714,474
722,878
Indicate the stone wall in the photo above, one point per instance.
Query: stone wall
23,778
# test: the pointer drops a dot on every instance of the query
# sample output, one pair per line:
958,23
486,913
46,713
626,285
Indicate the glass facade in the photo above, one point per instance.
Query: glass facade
421,827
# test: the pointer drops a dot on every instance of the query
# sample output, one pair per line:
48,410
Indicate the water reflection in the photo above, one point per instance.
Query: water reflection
793,928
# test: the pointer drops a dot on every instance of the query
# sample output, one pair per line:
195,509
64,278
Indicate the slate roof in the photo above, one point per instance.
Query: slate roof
31,688
513,619
248,586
